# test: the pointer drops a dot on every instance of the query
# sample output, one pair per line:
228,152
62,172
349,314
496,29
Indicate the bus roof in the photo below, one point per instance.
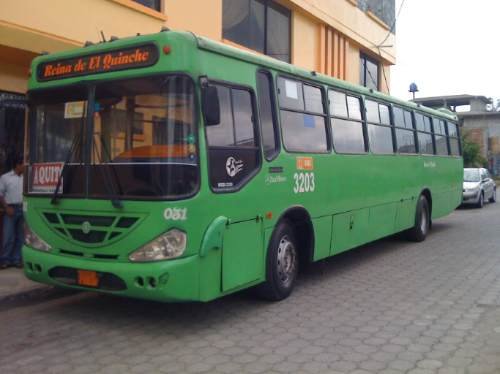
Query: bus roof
258,59
192,41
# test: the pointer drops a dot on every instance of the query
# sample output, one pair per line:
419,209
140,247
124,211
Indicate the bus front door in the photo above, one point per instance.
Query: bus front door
242,253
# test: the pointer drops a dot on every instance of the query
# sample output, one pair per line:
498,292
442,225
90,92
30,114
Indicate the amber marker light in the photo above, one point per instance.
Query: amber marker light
167,49
269,215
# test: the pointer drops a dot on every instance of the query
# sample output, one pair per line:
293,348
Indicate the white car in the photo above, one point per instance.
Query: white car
478,187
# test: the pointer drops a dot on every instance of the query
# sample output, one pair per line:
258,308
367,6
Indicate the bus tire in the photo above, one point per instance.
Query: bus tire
420,230
282,264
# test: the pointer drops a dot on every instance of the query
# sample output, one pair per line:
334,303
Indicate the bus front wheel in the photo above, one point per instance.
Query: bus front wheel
422,221
282,264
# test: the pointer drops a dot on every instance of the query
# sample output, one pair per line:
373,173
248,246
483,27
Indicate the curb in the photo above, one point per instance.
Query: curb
33,296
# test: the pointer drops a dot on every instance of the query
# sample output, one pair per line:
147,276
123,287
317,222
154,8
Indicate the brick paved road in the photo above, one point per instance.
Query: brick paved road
389,307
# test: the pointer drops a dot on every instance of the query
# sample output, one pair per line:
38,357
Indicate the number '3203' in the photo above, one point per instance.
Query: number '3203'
304,182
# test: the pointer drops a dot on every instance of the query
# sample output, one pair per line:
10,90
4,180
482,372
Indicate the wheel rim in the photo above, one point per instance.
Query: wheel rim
287,261
424,220
481,200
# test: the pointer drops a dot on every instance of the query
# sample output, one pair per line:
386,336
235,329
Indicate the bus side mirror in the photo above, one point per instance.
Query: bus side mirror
210,104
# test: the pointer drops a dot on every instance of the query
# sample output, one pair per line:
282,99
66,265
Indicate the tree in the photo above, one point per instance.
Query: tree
472,153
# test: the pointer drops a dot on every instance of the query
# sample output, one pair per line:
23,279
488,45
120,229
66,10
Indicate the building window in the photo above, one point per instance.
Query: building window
261,25
153,4
369,75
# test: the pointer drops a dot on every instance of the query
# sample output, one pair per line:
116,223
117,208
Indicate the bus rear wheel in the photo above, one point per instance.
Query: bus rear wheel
282,264
420,230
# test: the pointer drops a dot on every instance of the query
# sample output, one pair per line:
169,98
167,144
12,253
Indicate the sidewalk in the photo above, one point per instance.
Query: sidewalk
14,282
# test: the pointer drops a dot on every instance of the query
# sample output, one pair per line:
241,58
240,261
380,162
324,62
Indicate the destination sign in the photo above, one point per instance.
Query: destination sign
103,62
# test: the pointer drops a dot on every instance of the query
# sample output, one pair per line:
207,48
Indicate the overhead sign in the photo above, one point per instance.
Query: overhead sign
103,62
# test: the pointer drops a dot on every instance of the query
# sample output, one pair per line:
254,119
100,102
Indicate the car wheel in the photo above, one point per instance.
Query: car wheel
282,264
493,198
420,230
480,202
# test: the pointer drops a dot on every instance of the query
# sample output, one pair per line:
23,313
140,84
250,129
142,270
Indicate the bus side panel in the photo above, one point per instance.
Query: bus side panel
442,203
210,275
405,217
382,220
322,237
242,254
349,230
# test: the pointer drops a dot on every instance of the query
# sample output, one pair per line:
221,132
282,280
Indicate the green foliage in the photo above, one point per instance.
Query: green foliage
472,153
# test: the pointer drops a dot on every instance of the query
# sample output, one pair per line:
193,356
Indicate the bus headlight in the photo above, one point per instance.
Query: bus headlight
169,245
33,240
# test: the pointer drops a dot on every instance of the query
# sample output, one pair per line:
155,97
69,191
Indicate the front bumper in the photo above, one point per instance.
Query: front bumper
172,280
470,197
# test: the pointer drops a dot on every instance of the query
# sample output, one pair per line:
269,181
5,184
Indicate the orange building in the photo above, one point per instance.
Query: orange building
348,39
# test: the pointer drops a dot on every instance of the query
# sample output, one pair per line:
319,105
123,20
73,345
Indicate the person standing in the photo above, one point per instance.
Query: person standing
11,199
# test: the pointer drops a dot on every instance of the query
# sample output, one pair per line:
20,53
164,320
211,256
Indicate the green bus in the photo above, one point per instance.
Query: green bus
175,168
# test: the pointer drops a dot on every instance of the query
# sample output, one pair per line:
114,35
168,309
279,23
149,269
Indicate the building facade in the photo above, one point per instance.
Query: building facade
478,121
352,40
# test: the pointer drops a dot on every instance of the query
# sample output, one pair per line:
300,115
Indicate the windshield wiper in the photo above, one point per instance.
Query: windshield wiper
110,186
76,143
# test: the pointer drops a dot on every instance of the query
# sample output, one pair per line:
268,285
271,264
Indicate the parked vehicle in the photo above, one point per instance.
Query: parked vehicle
478,187
171,167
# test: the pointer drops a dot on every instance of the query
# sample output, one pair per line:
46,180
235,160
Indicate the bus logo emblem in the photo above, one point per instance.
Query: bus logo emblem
86,227
233,166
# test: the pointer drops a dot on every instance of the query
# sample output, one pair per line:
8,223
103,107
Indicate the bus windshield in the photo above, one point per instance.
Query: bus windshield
143,144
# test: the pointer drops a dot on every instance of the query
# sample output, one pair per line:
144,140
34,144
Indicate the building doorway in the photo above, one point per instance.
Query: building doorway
12,114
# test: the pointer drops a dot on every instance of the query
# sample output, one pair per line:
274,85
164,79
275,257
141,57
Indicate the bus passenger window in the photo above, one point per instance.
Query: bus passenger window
347,126
267,115
405,136
424,135
354,106
454,139
419,122
408,121
347,136
399,119
385,117
427,124
313,99
303,126
303,132
379,129
290,94
440,137
372,113
338,104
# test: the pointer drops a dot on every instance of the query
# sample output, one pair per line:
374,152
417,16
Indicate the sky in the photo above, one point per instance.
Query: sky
447,47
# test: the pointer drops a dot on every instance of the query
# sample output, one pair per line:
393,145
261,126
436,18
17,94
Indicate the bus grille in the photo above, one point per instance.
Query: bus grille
90,229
